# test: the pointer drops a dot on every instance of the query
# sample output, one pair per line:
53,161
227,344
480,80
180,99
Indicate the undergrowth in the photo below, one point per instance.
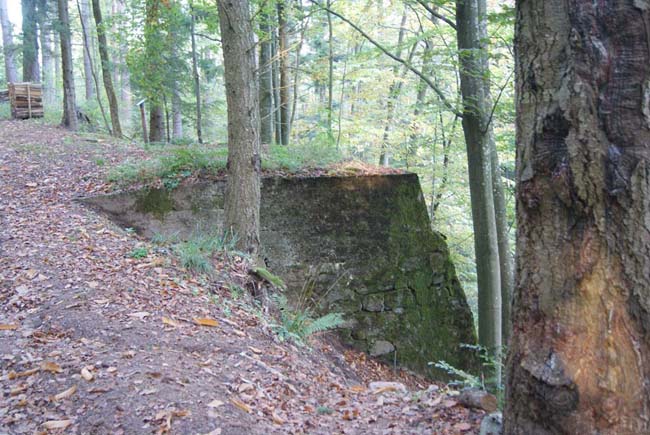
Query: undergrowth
196,254
299,324
172,163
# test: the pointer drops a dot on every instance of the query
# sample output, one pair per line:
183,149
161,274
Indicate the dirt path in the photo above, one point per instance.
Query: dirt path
74,305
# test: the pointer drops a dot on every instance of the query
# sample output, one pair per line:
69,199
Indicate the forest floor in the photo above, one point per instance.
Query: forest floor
93,341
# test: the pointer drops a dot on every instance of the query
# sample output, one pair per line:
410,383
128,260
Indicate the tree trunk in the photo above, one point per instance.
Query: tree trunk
197,83
276,90
106,70
69,101
242,203
57,65
47,62
155,96
283,53
8,44
579,355
88,67
267,118
477,130
123,74
31,69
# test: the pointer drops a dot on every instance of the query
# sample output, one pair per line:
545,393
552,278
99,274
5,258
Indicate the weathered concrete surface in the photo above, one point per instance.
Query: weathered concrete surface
359,245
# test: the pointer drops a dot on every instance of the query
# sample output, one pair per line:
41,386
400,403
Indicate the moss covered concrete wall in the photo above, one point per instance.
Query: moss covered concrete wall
358,245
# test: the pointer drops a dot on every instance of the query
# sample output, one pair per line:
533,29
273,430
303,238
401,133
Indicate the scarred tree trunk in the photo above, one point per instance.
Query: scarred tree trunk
69,101
242,202
8,44
579,356
31,69
106,70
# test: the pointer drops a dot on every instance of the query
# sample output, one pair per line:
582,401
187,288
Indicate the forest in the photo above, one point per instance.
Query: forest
219,195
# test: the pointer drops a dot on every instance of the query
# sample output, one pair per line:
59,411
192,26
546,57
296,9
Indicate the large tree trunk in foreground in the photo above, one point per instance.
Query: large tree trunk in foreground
579,358
8,44
31,69
69,101
242,203
106,70
478,133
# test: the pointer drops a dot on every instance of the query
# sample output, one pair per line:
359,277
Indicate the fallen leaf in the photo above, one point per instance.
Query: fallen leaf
86,374
66,394
8,327
245,387
276,418
140,315
14,375
31,184
49,366
358,389
463,427
57,424
255,350
215,403
17,390
205,321
148,392
241,405
111,369
449,403
170,322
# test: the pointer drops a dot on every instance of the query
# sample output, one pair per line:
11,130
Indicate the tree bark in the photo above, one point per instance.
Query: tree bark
31,68
106,70
276,89
69,101
47,62
283,53
8,44
156,115
197,83
579,354
478,133
242,202
88,67
266,79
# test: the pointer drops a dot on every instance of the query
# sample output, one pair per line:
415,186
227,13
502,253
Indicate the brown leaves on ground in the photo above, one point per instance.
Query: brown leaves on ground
94,341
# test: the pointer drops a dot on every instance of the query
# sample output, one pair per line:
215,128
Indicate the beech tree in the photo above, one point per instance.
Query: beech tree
106,70
242,202
69,100
8,44
580,350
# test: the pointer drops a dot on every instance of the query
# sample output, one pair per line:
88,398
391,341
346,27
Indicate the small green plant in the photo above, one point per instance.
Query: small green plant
100,162
140,252
324,410
193,257
300,324
195,253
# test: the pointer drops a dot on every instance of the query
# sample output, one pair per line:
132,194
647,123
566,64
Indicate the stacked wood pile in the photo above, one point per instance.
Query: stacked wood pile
26,100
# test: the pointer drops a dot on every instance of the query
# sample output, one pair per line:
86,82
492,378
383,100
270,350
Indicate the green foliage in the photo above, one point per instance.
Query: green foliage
300,324
196,253
140,252
465,379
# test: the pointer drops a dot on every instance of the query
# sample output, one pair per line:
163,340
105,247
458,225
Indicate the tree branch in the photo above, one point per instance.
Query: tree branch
436,14
407,64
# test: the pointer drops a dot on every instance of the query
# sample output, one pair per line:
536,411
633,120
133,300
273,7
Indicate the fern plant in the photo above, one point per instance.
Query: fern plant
299,324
